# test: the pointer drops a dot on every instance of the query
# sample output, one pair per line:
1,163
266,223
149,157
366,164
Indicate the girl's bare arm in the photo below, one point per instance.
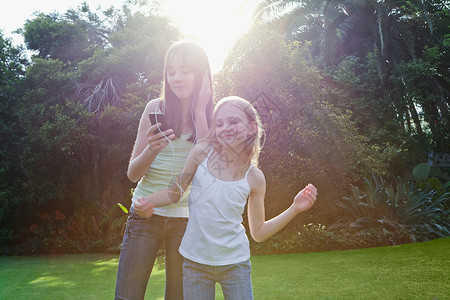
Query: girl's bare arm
144,205
261,229
148,144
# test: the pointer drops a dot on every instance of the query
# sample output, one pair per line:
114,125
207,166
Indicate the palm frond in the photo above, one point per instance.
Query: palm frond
272,10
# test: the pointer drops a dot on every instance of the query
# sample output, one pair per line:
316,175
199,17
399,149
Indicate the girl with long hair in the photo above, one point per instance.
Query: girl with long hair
158,156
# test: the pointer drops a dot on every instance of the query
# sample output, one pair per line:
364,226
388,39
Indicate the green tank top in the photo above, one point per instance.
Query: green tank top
167,165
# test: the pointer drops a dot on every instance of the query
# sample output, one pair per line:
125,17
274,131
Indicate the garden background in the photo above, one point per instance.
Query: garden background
372,75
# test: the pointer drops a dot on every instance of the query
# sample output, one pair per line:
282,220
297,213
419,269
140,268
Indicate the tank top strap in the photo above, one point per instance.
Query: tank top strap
209,154
248,170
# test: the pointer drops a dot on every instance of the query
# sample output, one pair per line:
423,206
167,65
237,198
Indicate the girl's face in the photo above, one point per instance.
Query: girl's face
181,79
232,127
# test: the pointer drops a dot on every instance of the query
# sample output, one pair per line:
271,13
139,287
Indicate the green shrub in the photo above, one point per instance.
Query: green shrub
420,214
88,230
317,237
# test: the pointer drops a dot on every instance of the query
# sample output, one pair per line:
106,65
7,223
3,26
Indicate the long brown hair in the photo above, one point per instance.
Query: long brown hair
253,145
194,57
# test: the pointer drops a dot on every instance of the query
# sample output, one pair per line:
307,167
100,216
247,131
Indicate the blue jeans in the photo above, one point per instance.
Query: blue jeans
199,281
141,242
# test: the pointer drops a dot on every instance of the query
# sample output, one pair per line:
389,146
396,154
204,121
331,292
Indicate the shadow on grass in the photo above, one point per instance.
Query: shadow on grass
67,277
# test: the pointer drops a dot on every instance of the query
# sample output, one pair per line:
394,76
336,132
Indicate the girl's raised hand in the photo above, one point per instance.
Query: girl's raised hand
305,198
156,139
143,207
205,91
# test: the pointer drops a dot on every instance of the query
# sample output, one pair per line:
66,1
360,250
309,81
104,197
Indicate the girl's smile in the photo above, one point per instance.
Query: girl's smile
227,136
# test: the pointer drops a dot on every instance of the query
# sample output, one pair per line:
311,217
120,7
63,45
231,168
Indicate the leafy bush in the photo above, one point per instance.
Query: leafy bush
420,214
427,177
378,214
316,237
64,144
89,229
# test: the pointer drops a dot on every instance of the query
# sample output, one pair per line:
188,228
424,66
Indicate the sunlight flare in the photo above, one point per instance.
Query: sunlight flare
215,24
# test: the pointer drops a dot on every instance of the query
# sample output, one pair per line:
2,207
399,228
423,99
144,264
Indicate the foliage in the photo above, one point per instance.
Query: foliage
69,38
74,122
89,229
123,208
386,117
379,214
383,41
339,29
358,90
136,56
12,71
317,141
418,83
431,178
424,174
339,97
420,214
315,237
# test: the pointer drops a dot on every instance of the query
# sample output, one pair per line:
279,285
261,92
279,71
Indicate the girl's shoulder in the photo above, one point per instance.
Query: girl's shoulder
256,178
201,151
153,104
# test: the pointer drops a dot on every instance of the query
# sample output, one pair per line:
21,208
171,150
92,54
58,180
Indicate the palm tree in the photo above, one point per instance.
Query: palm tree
394,30
342,28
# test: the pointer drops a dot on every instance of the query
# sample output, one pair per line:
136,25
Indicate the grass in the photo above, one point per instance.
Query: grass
412,271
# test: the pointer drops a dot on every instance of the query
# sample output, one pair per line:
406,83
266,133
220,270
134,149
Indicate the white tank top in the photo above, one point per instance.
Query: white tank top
215,235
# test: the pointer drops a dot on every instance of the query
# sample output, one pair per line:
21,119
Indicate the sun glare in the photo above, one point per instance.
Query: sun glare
215,24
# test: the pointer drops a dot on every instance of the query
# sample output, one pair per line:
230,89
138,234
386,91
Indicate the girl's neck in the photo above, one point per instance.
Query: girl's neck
185,106
227,165
186,117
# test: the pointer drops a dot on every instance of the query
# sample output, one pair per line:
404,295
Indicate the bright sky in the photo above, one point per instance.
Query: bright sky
215,24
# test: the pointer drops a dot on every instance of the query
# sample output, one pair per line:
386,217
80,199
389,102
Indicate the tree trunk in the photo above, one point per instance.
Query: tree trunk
415,116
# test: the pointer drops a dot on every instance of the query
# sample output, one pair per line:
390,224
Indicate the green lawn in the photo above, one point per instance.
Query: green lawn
413,271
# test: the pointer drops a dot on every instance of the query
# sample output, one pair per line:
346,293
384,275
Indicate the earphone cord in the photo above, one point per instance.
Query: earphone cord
192,146
173,150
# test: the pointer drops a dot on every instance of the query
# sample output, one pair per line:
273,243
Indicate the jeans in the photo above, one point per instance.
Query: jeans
141,242
199,281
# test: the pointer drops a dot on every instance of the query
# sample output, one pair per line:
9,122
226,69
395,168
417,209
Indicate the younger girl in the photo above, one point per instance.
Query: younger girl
224,175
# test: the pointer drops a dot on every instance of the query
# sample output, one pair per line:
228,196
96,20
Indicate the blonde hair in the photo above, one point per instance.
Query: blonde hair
253,143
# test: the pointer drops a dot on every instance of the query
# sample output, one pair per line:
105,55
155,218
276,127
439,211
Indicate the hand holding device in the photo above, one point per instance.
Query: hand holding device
158,136
158,117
